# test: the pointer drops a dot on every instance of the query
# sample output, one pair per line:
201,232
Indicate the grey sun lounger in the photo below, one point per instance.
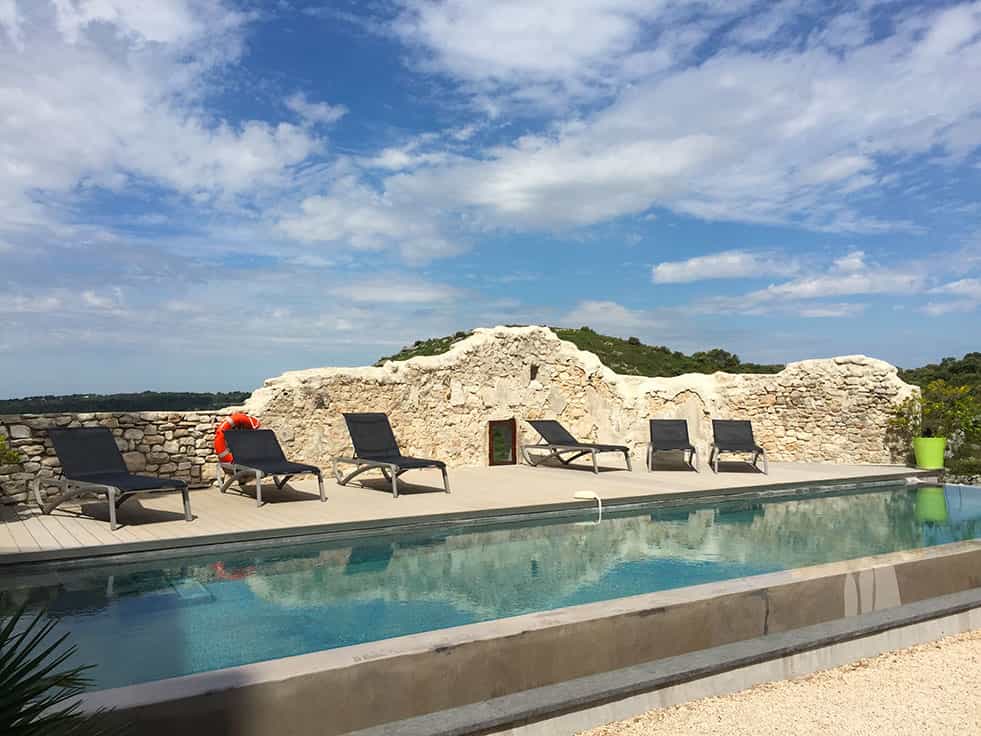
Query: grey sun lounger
92,463
558,441
256,453
375,448
671,434
735,435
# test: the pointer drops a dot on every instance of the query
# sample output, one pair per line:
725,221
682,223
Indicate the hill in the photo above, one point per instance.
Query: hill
630,356
964,371
143,401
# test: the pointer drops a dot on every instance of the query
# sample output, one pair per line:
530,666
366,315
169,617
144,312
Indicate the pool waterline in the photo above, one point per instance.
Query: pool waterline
210,611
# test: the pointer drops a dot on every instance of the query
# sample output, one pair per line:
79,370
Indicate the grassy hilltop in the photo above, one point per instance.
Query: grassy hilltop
630,356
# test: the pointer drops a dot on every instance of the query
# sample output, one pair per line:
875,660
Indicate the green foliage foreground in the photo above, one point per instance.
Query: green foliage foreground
39,693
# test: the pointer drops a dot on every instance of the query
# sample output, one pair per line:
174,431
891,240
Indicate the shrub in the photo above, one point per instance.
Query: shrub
40,693
8,456
941,410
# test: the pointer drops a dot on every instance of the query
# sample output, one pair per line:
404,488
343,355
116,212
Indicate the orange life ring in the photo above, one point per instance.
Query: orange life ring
223,573
237,420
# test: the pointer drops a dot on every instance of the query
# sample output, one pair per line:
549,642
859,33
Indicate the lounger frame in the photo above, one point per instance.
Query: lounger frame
758,454
556,451
114,496
391,471
241,474
690,456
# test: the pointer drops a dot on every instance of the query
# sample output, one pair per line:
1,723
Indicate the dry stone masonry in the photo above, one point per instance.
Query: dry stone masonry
168,444
833,410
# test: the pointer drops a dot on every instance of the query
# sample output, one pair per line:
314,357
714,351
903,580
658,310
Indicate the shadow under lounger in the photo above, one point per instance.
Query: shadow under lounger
92,463
256,453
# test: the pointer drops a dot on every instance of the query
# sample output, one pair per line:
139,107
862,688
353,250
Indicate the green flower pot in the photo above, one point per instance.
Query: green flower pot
929,452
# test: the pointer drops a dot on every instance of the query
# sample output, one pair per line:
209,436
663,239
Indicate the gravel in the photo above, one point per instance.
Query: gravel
932,688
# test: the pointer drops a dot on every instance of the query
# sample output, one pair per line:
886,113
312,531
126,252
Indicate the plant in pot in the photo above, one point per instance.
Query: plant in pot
940,415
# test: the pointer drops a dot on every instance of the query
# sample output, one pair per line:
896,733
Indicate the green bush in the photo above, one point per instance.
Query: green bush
941,410
8,456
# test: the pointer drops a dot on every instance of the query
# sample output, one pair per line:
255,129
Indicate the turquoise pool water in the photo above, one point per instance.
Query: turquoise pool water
152,620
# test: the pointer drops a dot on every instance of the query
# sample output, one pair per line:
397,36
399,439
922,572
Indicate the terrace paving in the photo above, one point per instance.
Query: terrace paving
157,521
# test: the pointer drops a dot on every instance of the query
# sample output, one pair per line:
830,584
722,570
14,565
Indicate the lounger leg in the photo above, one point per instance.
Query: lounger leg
258,489
111,495
226,484
395,482
766,464
626,456
320,485
50,505
187,505
446,480
650,458
694,460
595,466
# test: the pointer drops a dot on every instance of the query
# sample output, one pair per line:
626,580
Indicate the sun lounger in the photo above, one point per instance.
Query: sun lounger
671,434
558,441
735,435
91,463
256,453
375,448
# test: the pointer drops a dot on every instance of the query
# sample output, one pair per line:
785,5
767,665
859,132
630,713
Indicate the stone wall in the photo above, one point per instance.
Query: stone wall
168,444
832,410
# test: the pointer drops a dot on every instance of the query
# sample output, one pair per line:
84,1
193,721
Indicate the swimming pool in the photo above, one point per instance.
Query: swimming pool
152,620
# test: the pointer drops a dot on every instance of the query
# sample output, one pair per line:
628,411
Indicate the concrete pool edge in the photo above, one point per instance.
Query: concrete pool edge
591,701
276,536
390,680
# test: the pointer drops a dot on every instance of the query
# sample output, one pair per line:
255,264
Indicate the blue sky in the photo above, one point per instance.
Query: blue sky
199,195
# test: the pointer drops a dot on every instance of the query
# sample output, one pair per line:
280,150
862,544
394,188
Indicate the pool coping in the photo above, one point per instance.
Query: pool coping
771,602
275,536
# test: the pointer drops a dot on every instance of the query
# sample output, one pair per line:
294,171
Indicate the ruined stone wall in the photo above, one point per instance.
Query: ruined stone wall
168,444
832,410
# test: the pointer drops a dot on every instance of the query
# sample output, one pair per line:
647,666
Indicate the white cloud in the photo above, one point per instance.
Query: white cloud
780,135
111,95
352,214
938,309
968,288
395,289
728,264
964,295
854,261
608,316
315,112
832,311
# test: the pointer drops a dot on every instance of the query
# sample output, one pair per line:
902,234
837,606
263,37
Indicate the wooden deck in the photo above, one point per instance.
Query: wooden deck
158,519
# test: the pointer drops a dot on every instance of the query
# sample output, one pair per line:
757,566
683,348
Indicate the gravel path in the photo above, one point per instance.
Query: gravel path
928,689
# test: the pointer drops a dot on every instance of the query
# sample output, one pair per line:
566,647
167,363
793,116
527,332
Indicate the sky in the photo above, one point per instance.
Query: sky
197,195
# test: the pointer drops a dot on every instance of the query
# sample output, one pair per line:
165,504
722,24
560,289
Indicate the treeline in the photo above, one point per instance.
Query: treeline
632,357
964,371
142,401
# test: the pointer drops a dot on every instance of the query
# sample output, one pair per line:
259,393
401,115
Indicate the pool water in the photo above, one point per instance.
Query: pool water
152,620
